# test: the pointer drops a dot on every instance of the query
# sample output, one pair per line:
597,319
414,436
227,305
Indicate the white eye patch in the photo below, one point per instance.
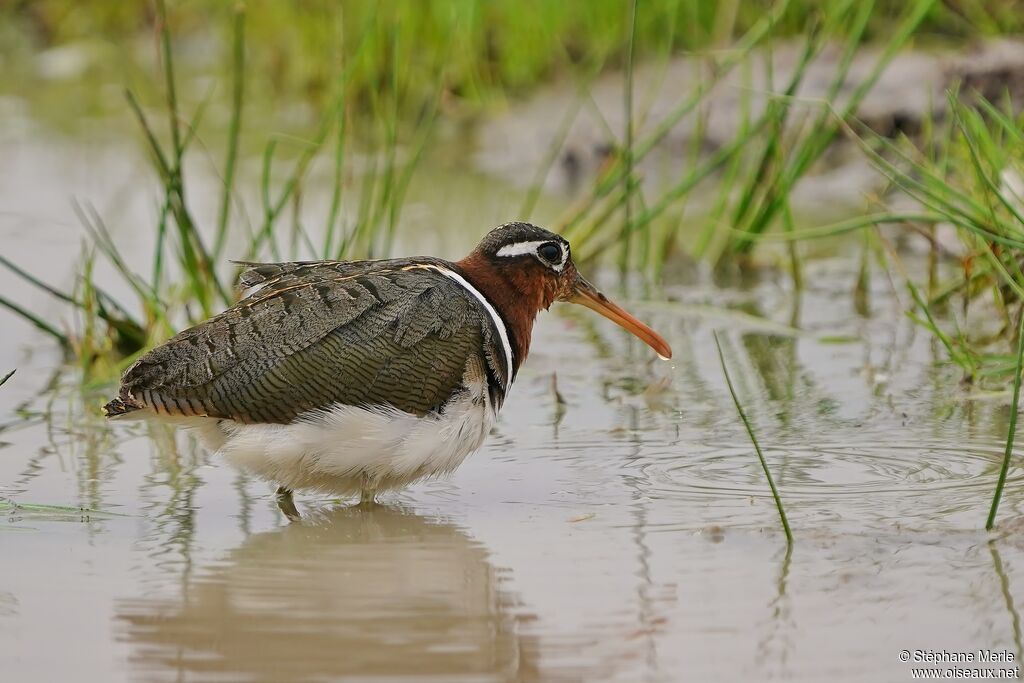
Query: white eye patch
524,248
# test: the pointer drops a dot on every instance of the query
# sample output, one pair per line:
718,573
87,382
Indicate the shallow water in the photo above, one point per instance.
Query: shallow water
625,536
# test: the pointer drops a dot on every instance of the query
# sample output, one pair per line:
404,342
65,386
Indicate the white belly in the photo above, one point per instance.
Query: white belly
347,449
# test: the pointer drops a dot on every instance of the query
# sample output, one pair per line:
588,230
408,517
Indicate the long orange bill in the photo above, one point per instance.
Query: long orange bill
585,294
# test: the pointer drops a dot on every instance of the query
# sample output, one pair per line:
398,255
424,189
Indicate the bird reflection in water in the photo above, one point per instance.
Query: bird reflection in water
349,593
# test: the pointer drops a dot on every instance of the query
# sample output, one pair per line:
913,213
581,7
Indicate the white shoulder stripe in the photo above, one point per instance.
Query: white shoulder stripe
498,322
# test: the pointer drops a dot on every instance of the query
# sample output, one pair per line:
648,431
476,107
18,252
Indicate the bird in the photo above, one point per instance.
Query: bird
360,377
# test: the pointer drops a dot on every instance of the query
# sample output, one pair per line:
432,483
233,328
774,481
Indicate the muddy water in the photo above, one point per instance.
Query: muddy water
625,535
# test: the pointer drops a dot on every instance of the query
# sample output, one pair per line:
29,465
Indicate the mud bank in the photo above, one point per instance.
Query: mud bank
586,122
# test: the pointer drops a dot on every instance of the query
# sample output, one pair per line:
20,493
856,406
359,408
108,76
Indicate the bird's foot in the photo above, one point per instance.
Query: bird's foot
367,500
287,505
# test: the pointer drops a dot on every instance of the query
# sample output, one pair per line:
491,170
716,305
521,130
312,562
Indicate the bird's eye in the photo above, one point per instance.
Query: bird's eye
550,252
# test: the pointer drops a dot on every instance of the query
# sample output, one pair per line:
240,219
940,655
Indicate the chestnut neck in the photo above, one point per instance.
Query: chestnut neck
515,295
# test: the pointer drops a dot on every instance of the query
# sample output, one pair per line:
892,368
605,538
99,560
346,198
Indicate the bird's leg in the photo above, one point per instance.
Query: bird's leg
287,505
366,498
367,492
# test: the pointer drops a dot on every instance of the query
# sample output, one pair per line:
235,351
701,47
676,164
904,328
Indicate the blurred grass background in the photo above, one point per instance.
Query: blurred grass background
480,52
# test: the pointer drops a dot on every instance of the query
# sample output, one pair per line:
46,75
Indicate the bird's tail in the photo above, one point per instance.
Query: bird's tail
118,408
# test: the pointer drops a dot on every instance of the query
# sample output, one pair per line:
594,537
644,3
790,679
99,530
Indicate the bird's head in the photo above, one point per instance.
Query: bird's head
537,267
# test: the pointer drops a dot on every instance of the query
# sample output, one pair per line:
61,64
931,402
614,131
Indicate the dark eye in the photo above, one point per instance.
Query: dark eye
550,252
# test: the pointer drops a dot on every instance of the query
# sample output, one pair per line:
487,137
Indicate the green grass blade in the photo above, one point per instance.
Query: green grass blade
757,446
159,157
958,356
234,129
626,236
33,280
1011,431
168,63
49,329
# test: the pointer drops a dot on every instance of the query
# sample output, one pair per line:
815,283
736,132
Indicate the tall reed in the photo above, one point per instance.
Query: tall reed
967,179
185,283
771,151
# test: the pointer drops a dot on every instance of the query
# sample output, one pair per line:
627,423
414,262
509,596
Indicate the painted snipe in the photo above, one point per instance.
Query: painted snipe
362,376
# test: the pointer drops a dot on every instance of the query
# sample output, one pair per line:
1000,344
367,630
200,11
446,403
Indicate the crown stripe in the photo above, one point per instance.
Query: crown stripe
523,248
